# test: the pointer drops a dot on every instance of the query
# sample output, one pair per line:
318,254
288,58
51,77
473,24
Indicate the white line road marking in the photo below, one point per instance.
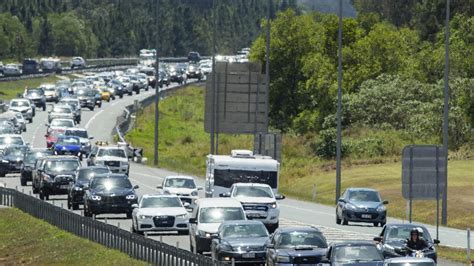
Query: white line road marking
34,134
303,209
92,118
147,175
143,184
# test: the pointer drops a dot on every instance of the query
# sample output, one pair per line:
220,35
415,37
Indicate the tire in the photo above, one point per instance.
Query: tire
41,195
344,221
376,224
44,107
24,129
69,205
338,221
382,224
3,174
130,93
87,213
23,182
100,105
92,109
30,120
108,100
121,96
75,206
129,215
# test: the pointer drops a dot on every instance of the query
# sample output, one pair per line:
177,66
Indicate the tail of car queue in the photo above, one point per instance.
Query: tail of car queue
237,220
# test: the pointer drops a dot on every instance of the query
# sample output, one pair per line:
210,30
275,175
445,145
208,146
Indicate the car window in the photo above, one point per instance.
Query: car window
110,183
411,264
243,230
180,183
68,141
160,202
220,214
65,110
348,254
15,151
77,133
362,195
112,152
87,174
19,104
301,238
403,232
61,165
62,123
253,191
11,140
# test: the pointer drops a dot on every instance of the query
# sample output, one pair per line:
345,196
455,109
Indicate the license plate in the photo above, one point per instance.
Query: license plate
366,216
63,186
248,255
253,215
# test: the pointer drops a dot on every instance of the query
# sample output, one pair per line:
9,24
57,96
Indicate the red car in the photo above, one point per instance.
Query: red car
52,137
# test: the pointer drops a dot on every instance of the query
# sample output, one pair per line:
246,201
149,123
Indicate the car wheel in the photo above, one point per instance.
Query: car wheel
30,120
24,129
130,93
87,213
382,224
3,174
376,224
338,221
23,182
41,195
75,206
121,96
44,107
69,206
343,220
108,100
129,215
100,105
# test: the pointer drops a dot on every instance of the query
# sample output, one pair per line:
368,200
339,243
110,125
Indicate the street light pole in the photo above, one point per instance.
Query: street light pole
444,215
267,65
157,88
339,105
213,109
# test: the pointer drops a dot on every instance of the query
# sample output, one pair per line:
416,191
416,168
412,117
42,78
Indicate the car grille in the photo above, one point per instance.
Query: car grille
182,195
255,207
114,199
306,260
24,111
63,179
163,221
112,163
186,200
251,248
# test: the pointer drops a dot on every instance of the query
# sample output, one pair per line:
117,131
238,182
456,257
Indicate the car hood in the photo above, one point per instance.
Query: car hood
13,158
84,97
367,263
162,211
246,241
209,227
396,243
68,147
19,109
61,114
55,173
34,96
111,158
179,190
316,252
117,191
368,204
255,200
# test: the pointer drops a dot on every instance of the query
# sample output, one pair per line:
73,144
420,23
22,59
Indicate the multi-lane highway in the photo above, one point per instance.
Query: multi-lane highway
101,123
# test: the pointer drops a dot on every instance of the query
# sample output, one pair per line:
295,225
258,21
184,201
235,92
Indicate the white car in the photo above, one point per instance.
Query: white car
409,261
182,186
78,62
160,213
50,92
21,121
206,218
61,111
11,70
23,106
258,201
60,124
113,157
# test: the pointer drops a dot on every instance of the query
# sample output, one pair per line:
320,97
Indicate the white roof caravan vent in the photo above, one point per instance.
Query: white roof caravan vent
241,153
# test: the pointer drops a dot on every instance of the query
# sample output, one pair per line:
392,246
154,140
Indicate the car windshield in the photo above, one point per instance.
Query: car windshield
62,123
63,110
300,238
31,157
424,263
19,104
82,92
10,140
15,151
110,183
77,133
112,152
180,183
348,254
88,173
253,191
220,214
49,89
403,232
160,202
68,141
34,93
61,165
364,196
243,230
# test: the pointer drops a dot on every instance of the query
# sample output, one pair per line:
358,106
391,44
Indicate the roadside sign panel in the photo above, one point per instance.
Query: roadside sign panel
268,144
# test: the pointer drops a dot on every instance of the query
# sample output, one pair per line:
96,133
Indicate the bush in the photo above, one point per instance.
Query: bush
325,144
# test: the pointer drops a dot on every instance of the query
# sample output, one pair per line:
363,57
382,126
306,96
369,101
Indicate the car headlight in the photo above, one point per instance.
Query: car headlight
182,216
5,161
283,259
351,206
204,234
89,101
194,193
142,216
131,196
225,246
273,205
29,111
124,163
47,178
381,208
95,197
77,188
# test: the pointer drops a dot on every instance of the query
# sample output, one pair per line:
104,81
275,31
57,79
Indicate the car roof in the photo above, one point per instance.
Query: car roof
76,129
404,225
251,185
60,157
218,202
11,135
160,196
110,147
179,176
361,189
112,175
353,243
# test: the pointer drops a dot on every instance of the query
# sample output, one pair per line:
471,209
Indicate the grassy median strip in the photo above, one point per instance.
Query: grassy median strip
184,146
27,240
10,89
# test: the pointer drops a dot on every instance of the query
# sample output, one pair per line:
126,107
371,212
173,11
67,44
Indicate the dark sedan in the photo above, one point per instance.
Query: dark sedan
243,241
393,238
83,176
109,194
12,159
355,253
361,205
29,163
296,245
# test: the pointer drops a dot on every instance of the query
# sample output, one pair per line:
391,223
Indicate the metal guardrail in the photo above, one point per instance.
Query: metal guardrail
136,246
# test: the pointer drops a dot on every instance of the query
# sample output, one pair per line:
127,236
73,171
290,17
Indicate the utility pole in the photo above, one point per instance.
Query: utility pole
444,214
267,65
214,100
157,87
339,106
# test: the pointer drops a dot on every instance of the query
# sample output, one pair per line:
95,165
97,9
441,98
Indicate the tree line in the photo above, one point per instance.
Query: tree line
103,28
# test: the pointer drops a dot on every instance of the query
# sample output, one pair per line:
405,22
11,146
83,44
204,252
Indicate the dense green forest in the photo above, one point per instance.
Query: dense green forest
101,28
393,62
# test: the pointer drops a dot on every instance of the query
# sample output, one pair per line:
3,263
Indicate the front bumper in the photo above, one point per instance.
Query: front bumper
76,196
55,188
87,103
365,216
242,257
168,223
269,217
98,207
11,167
51,98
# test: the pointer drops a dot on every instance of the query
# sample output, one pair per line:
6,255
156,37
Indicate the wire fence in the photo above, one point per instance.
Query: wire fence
136,246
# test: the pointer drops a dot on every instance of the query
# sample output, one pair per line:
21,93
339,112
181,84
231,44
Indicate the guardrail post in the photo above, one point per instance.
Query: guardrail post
469,258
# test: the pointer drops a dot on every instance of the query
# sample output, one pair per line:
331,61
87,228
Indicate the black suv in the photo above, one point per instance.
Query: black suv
194,57
12,159
109,194
36,95
29,163
30,66
86,98
55,175
83,176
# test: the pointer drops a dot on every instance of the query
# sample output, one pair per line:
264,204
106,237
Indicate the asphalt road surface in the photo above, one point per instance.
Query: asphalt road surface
100,124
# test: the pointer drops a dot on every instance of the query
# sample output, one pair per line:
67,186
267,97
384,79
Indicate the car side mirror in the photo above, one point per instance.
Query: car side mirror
134,206
159,187
27,143
270,245
378,239
342,200
224,195
200,188
46,124
192,221
279,197
136,186
385,202
436,241
91,137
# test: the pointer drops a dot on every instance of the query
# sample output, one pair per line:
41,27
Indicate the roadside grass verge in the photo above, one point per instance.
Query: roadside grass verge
184,146
27,240
10,89
453,254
